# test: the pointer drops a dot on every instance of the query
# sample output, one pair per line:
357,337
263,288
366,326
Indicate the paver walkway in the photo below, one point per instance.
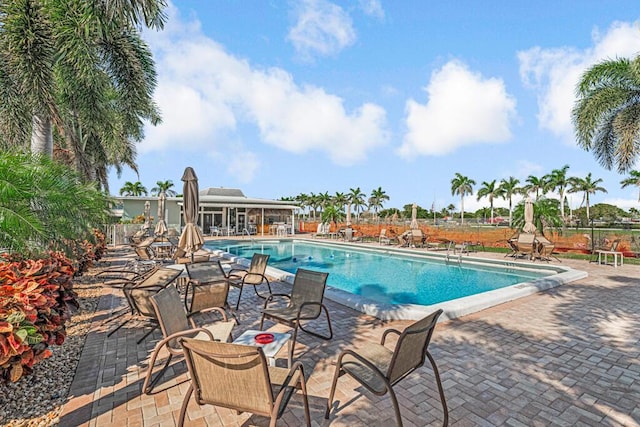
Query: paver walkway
568,357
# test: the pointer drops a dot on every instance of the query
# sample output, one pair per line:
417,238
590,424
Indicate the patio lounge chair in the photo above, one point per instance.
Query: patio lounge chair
138,293
305,304
254,276
238,377
175,323
378,369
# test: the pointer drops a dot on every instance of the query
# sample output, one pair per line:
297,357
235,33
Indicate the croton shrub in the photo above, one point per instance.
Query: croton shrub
85,252
36,297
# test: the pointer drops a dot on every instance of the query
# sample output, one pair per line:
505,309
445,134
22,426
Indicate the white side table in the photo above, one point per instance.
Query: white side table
615,257
271,349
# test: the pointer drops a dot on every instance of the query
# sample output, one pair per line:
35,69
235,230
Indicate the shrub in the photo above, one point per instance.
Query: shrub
36,297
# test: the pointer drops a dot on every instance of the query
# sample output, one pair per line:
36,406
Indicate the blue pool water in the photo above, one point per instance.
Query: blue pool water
381,276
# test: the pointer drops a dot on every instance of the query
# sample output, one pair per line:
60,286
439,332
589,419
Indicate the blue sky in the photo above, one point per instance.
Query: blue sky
280,98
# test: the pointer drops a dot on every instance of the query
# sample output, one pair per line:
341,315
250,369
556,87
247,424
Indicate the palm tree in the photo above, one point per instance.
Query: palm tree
489,190
535,184
332,213
377,199
303,201
133,189
90,83
632,179
558,180
462,186
448,211
45,206
546,214
324,200
356,198
165,187
313,203
509,188
587,186
607,112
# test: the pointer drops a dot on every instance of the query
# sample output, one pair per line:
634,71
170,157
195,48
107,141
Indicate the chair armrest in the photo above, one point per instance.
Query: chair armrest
184,333
306,304
361,359
207,310
270,298
264,278
387,332
230,272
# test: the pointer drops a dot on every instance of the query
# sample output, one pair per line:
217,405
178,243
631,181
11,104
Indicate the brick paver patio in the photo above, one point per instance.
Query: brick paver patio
569,356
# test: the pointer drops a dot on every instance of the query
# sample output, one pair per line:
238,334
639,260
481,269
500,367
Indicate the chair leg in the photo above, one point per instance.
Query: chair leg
315,334
445,422
305,400
149,381
185,403
239,295
114,330
396,407
255,288
336,375
144,337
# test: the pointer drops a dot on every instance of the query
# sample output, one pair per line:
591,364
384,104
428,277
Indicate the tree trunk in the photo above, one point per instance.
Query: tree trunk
41,136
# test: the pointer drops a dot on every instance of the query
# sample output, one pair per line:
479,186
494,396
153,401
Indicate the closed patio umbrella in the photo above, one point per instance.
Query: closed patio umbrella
147,218
348,220
414,217
161,226
191,239
528,217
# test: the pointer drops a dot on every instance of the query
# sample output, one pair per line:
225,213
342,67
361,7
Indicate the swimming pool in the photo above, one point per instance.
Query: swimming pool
388,278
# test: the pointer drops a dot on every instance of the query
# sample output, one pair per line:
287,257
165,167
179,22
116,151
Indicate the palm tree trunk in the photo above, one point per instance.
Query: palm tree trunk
41,136
461,210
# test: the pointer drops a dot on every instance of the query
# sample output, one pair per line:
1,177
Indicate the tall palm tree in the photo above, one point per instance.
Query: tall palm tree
165,186
303,201
313,203
377,199
607,112
356,198
463,186
489,190
324,200
509,188
558,180
133,189
587,186
632,179
85,75
535,185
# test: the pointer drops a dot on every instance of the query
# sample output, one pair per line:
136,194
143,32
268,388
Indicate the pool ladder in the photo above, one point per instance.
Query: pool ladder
452,245
246,231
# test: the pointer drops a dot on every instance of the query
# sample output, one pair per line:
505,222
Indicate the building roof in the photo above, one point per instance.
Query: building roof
221,191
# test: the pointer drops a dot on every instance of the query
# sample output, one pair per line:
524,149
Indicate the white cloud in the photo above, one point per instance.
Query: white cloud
372,8
463,108
208,97
322,28
554,73
622,203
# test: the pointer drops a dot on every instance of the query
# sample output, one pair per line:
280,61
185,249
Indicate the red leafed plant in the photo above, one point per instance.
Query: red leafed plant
36,297
85,252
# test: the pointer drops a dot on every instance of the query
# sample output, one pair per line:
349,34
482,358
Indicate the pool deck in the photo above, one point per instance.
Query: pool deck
568,356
